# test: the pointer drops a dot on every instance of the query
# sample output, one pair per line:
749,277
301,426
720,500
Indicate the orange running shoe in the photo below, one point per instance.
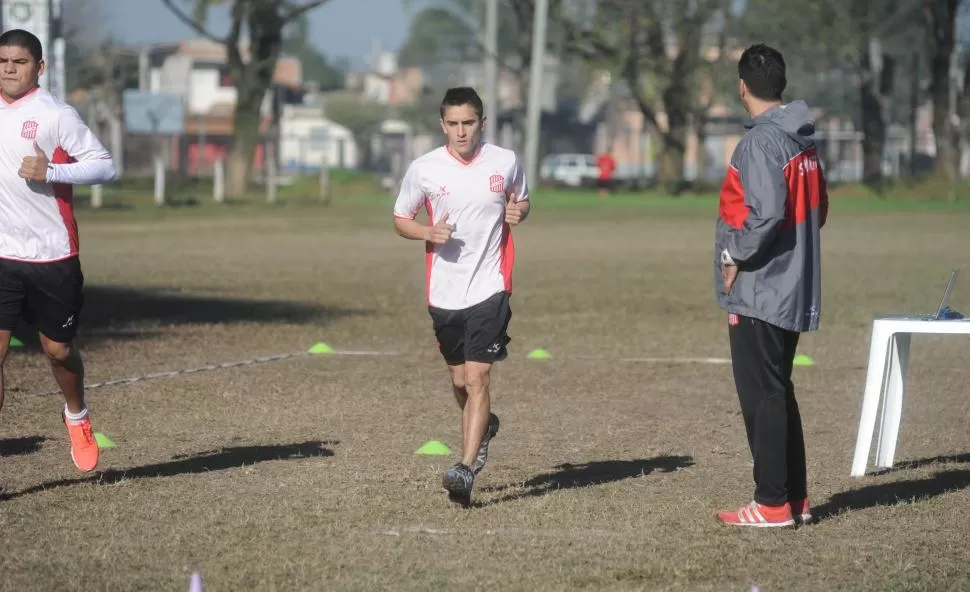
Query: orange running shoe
759,516
801,511
84,448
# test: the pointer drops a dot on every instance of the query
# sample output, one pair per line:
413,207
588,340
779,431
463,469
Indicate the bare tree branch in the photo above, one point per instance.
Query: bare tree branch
863,20
633,73
191,22
588,45
524,13
298,10
233,55
722,40
634,79
656,38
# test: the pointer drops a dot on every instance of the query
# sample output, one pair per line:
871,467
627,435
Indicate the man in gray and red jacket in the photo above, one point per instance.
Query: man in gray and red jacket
767,278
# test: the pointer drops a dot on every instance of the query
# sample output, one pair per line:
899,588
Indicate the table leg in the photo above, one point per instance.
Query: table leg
893,400
875,374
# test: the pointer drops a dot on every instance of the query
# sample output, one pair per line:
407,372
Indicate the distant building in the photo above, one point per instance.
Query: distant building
197,70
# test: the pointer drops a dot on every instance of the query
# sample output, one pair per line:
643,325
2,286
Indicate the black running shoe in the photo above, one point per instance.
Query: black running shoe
459,480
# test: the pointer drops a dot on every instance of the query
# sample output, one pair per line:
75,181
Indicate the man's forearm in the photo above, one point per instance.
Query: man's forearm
750,242
411,229
85,172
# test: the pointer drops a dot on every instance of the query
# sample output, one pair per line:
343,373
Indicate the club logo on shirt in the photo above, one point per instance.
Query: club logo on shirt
29,130
496,183
733,320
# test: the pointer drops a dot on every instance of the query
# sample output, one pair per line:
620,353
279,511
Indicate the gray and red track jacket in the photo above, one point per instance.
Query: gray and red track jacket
773,205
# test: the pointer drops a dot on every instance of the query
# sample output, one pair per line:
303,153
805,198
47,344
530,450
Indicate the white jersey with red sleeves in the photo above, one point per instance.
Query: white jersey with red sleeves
477,262
37,219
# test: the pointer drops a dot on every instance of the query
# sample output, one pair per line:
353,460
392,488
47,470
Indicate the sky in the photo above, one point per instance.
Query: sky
339,28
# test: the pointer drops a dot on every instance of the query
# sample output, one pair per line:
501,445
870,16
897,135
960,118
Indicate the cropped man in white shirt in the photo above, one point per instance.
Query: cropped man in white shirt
46,149
473,192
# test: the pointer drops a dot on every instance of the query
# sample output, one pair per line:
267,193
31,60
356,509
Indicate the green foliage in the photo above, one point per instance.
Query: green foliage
360,116
824,51
439,35
316,67
423,115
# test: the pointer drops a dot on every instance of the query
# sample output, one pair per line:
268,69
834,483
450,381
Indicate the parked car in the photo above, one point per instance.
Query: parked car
580,170
571,170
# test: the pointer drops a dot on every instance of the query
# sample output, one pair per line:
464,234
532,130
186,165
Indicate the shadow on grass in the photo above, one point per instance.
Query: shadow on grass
570,476
889,494
201,462
113,313
23,445
923,462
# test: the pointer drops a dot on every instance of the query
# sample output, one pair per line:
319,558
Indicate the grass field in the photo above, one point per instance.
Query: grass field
300,474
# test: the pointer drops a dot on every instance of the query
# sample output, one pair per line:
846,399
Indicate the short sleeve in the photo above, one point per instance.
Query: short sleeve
518,184
77,139
411,196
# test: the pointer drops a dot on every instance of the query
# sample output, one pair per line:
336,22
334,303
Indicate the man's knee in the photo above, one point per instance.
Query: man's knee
477,376
59,353
5,337
458,377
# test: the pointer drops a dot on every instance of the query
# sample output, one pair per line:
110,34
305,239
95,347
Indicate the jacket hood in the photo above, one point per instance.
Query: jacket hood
793,118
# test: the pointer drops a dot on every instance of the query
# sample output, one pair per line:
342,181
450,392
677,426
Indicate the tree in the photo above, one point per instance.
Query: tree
440,34
671,56
83,32
252,74
362,117
315,65
450,33
838,44
941,46
658,48
99,65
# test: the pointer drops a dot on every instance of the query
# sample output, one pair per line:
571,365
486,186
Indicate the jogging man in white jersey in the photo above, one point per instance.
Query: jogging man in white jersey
474,192
46,149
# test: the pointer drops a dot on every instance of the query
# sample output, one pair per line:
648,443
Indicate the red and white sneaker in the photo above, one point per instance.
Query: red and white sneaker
801,511
759,516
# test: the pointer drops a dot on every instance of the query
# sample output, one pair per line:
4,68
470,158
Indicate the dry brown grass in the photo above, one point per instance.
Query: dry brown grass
301,474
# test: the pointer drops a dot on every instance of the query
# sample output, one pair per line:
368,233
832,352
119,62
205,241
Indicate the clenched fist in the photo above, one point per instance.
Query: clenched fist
513,212
440,233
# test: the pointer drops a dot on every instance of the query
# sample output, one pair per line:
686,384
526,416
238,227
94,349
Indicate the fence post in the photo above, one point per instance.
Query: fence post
270,157
219,180
159,180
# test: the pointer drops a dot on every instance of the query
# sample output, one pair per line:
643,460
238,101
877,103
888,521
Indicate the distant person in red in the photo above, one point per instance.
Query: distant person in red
606,164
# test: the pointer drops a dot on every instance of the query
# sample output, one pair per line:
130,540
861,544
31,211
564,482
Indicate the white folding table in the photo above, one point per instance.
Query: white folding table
886,382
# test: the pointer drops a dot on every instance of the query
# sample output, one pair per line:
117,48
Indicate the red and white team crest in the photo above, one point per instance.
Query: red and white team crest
29,130
733,320
496,183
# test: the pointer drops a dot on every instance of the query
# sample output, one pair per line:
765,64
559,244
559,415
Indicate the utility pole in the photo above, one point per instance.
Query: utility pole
491,69
534,108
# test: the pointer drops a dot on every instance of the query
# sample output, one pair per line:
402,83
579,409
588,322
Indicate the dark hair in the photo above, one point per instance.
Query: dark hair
462,95
25,40
762,69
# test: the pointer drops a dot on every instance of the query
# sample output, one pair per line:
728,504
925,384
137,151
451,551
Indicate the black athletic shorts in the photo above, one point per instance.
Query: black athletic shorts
48,296
475,334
